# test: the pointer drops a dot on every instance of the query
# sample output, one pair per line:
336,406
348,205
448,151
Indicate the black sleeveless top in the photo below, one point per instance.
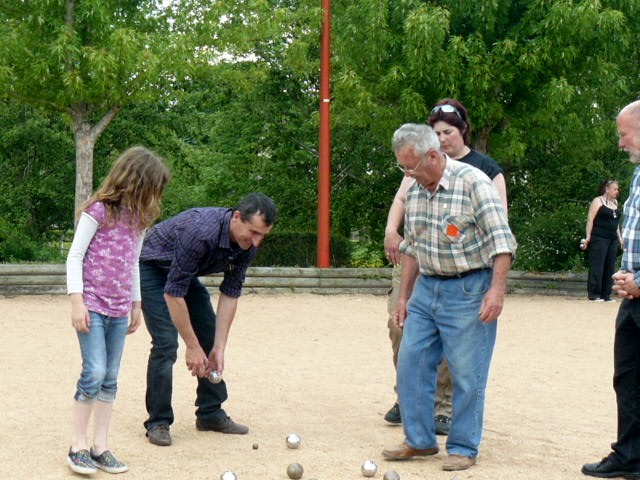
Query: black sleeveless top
605,224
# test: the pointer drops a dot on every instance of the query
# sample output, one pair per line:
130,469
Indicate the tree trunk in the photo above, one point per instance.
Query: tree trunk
482,140
86,136
85,142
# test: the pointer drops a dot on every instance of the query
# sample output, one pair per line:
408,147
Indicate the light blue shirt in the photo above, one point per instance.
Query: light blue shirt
631,229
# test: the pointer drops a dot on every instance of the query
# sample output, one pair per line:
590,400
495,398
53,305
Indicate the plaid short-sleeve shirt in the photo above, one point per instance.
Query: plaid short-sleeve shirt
461,226
631,228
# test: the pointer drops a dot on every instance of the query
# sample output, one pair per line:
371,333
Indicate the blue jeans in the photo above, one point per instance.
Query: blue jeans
443,320
101,350
164,347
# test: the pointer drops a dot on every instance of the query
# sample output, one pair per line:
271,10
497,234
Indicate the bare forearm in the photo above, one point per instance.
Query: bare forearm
493,300
501,186
395,219
501,267
180,317
410,272
227,307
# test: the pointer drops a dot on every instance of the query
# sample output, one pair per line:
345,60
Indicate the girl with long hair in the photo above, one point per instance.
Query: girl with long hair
103,284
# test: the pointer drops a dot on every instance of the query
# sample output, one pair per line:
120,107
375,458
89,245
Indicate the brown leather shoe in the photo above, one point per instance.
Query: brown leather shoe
405,452
458,462
222,425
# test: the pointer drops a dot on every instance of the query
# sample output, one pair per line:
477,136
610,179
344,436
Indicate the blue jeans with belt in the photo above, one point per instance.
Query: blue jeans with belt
443,320
164,347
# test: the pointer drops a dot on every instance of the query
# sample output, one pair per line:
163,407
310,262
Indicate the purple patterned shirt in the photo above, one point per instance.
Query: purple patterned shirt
197,242
109,263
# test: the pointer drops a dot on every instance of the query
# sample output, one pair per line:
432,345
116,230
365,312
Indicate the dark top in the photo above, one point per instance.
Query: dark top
197,242
605,223
483,162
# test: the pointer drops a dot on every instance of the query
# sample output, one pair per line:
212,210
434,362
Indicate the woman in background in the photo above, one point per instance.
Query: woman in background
602,240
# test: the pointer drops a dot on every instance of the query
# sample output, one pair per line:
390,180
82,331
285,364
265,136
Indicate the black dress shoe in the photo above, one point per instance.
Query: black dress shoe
609,467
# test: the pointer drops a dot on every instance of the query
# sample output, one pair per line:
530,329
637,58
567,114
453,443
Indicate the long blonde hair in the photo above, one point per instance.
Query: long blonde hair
135,183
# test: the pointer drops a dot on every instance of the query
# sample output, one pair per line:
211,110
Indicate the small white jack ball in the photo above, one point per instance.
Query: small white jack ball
391,475
293,440
369,468
228,476
215,377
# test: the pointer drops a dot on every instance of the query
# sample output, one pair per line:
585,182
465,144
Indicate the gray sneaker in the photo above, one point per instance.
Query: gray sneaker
80,462
159,435
108,463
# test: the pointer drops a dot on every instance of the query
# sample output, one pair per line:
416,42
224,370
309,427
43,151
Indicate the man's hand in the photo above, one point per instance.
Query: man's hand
400,314
625,286
197,361
492,304
493,300
216,360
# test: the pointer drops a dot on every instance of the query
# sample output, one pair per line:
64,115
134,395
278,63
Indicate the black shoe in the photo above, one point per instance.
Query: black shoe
442,424
222,425
393,415
609,467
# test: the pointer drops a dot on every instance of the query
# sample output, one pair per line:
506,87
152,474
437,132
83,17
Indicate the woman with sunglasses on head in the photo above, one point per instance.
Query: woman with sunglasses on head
450,120
602,240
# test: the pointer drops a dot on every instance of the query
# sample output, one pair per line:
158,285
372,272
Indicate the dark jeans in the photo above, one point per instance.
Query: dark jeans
602,264
164,346
626,382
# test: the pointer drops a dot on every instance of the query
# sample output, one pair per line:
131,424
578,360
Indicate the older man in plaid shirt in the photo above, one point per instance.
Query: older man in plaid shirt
458,242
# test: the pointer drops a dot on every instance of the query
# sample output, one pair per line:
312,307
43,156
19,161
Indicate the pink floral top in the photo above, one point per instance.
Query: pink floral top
108,264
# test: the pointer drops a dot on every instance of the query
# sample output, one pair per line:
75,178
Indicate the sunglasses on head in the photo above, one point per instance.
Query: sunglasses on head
446,109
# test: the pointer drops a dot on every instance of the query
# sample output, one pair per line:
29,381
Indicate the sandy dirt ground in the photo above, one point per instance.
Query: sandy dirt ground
319,366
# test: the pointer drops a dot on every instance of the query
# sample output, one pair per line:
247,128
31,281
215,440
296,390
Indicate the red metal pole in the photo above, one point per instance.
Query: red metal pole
324,174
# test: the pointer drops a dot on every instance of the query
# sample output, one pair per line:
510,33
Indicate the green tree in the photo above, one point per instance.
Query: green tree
253,112
542,81
36,203
86,60
228,92
89,60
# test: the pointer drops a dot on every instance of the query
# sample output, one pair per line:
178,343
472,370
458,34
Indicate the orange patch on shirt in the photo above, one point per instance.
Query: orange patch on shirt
452,230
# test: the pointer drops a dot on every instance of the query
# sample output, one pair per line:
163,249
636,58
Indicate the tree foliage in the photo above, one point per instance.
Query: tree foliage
228,93
542,80
86,60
